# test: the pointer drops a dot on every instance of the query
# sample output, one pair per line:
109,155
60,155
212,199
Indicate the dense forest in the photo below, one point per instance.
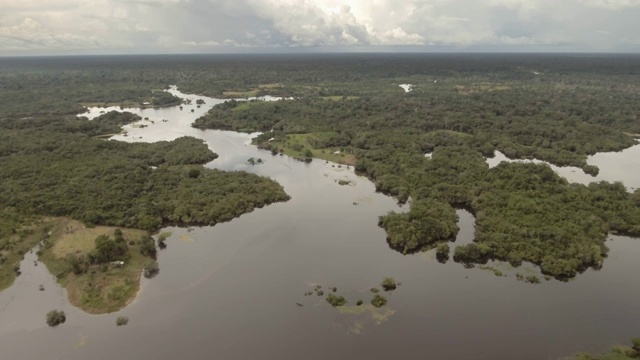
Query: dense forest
58,165
524,212
558,108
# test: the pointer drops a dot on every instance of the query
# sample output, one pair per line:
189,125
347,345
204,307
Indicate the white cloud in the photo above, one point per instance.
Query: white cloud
613,4
586,25
398,36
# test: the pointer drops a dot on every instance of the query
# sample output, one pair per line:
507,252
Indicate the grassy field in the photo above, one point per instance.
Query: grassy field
230,94
103,288
240,94
243,107
78,239
297,146
270,86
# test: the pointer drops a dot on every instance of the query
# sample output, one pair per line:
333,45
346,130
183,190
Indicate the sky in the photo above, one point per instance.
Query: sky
67,27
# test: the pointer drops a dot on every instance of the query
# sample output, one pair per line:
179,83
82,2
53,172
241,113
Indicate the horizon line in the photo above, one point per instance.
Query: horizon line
323,53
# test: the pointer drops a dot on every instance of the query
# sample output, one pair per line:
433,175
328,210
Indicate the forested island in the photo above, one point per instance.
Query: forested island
349,109
93,205
460,113
64,186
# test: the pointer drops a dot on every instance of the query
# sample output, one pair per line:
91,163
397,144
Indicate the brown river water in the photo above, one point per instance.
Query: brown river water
230,291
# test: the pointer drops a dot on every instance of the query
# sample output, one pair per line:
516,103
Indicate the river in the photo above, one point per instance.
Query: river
230,291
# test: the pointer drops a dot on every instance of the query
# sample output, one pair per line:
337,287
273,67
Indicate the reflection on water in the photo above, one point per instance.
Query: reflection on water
230,291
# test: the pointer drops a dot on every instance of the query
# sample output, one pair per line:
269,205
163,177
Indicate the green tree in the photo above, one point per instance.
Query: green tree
378,301
389,284
108,249
55,318
636,345
148,247
335,300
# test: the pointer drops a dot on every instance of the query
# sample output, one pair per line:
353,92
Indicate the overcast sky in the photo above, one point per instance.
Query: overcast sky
212,26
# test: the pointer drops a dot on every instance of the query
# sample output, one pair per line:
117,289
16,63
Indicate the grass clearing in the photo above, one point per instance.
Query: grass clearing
270,86
102,288
78,239
298,146
253,92
240,94
244,106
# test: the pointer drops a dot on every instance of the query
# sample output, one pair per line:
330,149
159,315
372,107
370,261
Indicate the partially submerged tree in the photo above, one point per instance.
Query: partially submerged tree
55,318
389,284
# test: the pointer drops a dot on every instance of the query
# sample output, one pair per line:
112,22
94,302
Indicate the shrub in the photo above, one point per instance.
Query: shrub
360,302
389,284
378,301
162,238
375,290
622,350
122,320
636,345
336,300
76,264
442,252
471,253
108,249
148,247
532,279
151,270
193,173
55,318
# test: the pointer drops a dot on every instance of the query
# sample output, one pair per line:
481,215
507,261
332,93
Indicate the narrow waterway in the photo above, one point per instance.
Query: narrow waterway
230,291
614,166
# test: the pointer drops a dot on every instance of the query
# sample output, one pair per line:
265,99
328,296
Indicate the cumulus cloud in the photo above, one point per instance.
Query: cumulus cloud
39,26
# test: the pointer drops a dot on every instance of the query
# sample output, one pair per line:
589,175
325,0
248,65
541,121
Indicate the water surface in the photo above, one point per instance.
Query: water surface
230,291
614,166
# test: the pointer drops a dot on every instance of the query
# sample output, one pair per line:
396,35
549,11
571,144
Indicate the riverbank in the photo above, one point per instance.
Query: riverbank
25,238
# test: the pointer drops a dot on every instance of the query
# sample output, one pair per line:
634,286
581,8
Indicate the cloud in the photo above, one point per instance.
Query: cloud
613,4
37,26
31,34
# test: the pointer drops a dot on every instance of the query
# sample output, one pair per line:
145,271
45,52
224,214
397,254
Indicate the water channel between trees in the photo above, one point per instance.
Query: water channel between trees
230,291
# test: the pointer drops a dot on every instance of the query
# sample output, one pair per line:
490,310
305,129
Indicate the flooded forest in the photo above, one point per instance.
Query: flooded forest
444,206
